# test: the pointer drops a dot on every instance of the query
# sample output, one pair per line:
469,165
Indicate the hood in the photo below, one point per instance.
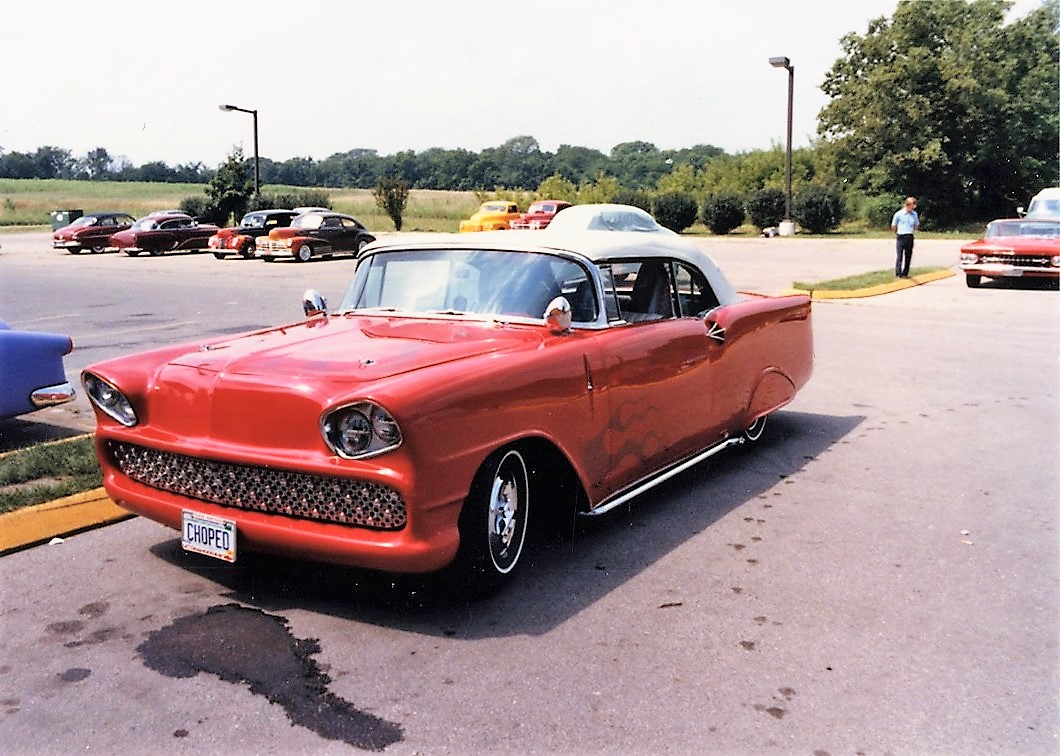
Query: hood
289,232
353,349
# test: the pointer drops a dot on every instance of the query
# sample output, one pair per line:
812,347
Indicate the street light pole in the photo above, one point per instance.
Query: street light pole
257,167
783,62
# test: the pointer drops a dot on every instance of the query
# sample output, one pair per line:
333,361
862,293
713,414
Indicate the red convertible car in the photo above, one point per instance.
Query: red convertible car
159,233
1015,248
91,232
466,388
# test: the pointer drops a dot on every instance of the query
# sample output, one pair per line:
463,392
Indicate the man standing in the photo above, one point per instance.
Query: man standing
905,223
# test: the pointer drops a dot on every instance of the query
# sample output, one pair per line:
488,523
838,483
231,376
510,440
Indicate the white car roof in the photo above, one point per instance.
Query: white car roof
595,246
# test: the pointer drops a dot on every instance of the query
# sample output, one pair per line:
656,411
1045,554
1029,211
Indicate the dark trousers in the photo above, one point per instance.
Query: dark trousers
904,255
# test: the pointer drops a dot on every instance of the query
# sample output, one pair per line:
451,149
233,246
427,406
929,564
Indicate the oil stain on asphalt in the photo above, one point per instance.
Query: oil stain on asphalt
246,646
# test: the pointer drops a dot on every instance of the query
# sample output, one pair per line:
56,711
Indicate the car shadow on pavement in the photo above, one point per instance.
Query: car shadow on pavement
564,573
16,433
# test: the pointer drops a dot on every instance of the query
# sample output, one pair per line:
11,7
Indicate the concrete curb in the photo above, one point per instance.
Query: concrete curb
31,526
874,291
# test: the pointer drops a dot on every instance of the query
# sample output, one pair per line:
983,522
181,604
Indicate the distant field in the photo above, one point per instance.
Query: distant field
29,202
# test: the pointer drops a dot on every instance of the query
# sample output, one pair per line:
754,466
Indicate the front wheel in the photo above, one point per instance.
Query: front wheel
303,253
972,281
220,255
494,521
96,249
250,249
132,252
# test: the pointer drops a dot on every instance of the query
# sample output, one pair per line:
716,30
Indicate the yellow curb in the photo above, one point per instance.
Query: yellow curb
874,291
71,514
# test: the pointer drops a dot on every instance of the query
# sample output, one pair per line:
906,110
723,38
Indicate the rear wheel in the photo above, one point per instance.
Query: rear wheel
267,258
75,250
972,281
754,431
132,252
220,255
494,521
96,248
304,253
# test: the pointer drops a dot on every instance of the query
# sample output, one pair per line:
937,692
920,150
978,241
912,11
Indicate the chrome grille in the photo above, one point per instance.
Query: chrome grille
263,489
270,246
1023,261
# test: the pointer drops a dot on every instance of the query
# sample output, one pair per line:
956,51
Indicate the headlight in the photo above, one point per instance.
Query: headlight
360,430
1055,261
969,257
109,399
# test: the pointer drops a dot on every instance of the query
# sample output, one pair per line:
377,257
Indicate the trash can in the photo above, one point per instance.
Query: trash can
62,218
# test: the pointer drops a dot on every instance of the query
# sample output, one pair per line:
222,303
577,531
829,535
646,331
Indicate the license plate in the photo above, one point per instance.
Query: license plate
1013,273
212,536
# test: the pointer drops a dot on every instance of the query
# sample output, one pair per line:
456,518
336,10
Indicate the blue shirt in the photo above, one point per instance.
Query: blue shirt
906,221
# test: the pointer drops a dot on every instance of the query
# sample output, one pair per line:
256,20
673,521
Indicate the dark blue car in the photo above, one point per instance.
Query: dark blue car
32,375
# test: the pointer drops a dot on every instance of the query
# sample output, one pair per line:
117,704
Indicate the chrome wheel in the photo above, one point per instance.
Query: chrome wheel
507,512
756,429
304,253
493,523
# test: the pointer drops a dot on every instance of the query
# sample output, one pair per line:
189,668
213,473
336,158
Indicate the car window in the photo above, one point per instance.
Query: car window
107,222
643,289
694,294
308,222
474,282
349,224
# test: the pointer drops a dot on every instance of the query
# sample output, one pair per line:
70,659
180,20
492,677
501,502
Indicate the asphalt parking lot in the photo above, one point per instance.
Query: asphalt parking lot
881,576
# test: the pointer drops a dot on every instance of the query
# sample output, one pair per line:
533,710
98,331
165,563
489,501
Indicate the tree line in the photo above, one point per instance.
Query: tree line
944,100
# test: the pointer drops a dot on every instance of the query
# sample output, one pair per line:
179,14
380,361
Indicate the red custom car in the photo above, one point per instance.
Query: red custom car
91,232
1015,248
242,239
539,214
159,233
465,388
315,234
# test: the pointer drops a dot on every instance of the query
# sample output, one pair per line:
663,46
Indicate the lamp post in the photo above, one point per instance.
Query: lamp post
257,168
787,227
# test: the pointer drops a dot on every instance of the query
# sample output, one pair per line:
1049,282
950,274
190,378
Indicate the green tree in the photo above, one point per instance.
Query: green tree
947,102
231,187
391,196
558,188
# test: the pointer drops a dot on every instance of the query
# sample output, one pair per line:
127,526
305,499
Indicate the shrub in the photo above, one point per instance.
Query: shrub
818,208
391,196
200,207
635,197
558,188
290,200
766,207
878,211
722,213
675,210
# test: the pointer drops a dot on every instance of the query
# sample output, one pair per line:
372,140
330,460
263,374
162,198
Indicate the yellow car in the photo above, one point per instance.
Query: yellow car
494,215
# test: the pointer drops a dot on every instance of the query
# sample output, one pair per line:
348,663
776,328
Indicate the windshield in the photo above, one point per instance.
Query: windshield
1023,228
309,221
84,220
466,282
255,220
146,224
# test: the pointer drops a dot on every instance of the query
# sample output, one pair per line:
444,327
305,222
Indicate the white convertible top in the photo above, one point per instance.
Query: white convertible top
594,246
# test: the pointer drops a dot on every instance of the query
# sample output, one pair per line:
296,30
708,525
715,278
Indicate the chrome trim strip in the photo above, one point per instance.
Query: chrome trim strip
608,505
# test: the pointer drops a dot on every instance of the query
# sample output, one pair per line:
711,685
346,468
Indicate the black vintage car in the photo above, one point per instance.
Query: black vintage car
315,234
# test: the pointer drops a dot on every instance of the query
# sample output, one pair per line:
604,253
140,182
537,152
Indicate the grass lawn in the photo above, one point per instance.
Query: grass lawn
48,471
860,281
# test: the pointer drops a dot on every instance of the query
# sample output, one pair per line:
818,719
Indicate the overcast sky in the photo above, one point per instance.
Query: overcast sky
143,79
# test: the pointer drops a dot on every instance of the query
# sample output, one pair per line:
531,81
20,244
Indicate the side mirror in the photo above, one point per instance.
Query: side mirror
558,316
313,303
